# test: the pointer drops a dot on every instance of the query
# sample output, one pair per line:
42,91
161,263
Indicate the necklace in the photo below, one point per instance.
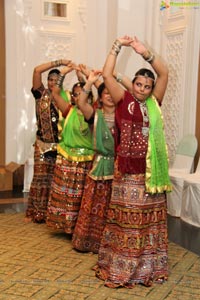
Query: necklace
144,111
109,118
108,112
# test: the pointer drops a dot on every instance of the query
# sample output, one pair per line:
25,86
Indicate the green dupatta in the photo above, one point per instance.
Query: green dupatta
157,176
76,143
103,142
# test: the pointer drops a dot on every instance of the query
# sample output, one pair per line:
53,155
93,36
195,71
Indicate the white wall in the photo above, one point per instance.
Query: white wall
86,37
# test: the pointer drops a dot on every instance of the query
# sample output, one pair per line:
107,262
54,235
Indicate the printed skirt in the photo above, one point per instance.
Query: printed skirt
40,185
92,215
66,194
134,245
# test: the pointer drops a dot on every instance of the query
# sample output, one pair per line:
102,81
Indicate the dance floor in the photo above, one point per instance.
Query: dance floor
36,263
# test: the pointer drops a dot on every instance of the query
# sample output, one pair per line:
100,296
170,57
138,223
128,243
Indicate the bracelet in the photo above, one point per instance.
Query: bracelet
112,52
56,63
118,43
60,80
148,56
116,47
119,77
151,58
87,92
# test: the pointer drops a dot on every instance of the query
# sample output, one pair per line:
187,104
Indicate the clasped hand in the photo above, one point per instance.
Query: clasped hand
136,44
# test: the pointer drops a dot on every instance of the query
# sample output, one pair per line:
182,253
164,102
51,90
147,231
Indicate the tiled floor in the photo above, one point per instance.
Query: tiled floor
38,264
179,232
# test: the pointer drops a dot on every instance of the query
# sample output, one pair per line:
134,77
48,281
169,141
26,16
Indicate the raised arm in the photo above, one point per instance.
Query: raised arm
86,71
123,80
83,104
79,75
116,91
61,103
38,70
158,66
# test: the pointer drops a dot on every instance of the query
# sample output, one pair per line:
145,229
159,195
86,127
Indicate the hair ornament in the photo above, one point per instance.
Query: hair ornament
146,77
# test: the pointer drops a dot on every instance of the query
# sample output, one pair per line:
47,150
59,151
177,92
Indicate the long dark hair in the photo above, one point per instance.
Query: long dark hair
100,90
53,71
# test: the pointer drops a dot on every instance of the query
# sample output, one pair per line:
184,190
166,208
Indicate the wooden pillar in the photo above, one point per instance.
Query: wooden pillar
2,86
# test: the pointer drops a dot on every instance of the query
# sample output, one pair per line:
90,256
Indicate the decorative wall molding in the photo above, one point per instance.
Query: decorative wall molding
82,11
176,15
22,8
54,45
173,106
182,55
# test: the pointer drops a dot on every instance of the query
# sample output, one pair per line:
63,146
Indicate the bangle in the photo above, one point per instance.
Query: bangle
56,63
151,58
112,52
116,47
119,77
60,80
118,43
87,92
148,56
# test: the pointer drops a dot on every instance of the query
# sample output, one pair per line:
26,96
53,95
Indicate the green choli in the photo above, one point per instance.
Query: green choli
76,141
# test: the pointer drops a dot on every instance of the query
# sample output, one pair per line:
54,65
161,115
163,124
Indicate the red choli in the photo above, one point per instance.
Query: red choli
130,144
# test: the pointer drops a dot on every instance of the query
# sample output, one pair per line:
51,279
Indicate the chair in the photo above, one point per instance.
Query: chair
185,153
190,208
181,167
